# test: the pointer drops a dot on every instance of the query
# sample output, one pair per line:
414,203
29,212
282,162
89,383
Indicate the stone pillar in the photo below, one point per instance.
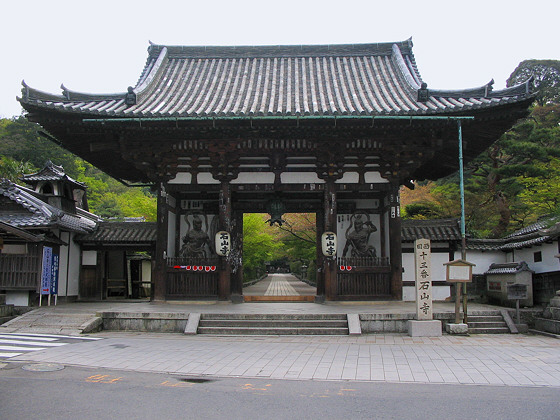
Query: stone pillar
159,272
395,245
330,272
224,283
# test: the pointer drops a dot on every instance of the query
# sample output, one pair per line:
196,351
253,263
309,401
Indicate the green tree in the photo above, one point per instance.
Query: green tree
546,76
12,169
23,149
259,244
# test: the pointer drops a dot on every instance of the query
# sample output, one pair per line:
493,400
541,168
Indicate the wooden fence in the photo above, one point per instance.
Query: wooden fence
361,278
192,278
20,271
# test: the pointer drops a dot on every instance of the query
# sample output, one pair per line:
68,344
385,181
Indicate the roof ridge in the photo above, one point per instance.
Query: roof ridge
295,50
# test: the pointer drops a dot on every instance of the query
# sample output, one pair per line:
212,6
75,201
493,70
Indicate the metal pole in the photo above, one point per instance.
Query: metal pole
463,234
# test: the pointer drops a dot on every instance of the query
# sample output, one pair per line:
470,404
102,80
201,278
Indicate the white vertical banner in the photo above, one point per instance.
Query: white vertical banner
423,266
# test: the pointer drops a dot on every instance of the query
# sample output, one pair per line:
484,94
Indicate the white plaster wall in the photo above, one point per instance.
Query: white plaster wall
69,274
146,268
483,259
300,178
374,178
206,178
549,261
349,178
254,178
89,257
17,298
14,249
181,178
438,293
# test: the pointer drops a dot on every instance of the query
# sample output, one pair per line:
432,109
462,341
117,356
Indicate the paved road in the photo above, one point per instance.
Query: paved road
279,284
485,359
81,393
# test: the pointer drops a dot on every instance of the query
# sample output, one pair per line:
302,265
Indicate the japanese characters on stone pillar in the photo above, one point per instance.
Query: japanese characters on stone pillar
423,266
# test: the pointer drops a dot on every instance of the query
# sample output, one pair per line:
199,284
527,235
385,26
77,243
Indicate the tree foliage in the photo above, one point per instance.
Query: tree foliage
24,150
507,187
546,76
293,243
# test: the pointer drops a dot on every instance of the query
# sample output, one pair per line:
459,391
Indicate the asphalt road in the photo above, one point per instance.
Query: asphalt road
81,393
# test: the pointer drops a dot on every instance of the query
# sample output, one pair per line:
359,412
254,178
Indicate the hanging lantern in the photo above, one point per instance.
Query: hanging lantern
328,244
223,243
276,210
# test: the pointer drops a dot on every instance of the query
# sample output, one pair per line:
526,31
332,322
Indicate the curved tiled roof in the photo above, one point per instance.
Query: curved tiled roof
51,172
35,213
435,230
277,81
122,233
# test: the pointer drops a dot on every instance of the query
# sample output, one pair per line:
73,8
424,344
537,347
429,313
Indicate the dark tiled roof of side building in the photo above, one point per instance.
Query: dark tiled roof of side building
435,230
31,212
121,233
51,172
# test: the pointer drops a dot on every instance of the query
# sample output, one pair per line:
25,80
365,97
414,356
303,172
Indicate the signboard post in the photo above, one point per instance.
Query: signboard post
517,292
49,275
424,325
423,266
459,271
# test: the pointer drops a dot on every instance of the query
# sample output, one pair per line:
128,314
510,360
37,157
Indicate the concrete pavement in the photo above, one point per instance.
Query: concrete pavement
516,360
520,360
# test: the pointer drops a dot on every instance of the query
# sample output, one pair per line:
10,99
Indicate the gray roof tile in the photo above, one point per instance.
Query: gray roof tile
35,213
122,233
316,80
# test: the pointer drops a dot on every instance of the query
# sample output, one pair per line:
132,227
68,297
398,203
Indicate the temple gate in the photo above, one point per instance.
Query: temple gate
222,131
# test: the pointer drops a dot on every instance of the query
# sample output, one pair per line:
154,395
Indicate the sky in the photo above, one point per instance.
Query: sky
101,46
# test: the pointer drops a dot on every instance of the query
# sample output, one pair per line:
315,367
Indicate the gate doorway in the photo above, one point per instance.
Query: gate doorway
279,259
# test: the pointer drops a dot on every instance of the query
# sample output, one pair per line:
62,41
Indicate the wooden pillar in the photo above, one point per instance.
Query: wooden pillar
320,268
237,249
395,245
159,273
330,226
224,283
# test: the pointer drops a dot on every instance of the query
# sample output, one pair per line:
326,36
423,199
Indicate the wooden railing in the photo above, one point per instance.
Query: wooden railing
363,278
192,277
20,271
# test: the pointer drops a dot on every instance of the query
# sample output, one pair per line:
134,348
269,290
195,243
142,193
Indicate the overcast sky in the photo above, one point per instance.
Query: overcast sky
100,46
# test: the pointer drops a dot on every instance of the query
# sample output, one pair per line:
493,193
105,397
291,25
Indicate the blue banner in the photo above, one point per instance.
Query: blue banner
46,273
54,274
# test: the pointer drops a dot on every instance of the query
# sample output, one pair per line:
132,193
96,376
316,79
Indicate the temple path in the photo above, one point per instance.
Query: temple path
279,285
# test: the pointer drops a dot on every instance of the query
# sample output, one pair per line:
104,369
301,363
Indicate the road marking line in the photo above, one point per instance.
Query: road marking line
27,343
58,336
22,337
22,348
8,355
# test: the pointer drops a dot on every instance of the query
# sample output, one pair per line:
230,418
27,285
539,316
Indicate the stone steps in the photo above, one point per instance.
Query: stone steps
273,324
487,324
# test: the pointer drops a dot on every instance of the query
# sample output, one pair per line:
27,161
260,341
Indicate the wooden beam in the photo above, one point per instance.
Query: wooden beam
395,247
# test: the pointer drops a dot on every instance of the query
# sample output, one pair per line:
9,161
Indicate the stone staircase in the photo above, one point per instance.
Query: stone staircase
273,324
488,324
